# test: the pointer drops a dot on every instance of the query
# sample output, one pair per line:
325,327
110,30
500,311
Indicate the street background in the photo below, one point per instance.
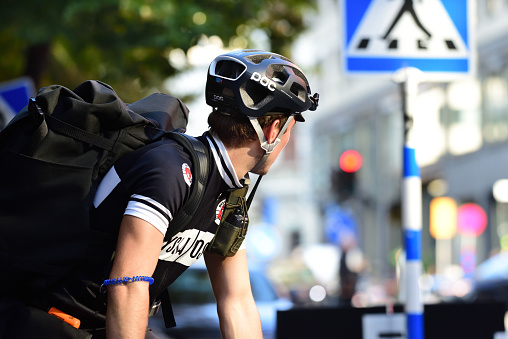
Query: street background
310,209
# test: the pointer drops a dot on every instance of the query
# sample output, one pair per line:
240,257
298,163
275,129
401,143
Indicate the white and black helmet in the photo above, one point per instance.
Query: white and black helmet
257,83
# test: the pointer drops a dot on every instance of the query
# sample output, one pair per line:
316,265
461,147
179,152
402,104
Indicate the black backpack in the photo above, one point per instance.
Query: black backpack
53,155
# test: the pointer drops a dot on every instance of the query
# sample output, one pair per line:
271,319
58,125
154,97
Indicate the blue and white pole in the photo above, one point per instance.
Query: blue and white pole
412,210
411,218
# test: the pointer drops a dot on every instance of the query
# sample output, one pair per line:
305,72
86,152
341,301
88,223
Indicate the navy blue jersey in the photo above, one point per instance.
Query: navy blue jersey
153,183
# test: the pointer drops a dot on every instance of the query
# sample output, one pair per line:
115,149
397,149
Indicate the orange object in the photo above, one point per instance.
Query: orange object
69,319
350,161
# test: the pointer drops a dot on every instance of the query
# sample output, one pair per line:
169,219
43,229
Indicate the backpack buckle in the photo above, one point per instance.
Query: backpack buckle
35,109
155,308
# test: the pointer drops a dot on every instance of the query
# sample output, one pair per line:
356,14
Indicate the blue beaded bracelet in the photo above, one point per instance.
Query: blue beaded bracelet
127,279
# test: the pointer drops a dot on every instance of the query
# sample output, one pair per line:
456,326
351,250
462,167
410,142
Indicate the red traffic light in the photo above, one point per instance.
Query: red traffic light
350,161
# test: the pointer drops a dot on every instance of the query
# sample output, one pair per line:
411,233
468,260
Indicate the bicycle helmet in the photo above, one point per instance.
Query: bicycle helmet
257,83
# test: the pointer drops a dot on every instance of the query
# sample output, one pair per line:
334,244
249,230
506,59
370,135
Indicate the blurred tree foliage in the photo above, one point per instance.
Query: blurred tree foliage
126,43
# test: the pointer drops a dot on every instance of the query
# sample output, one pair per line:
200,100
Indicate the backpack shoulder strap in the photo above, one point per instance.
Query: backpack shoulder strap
201,164
200,160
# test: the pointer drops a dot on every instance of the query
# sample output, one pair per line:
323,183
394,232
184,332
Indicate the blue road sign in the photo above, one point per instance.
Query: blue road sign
434,36
14,94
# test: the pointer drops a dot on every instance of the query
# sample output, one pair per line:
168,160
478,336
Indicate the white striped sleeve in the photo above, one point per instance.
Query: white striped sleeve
149,210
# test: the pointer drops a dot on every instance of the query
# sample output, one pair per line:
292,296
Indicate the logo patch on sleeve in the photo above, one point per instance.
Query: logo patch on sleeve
187,174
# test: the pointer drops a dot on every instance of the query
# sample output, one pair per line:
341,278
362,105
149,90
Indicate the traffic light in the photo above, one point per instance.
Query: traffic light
344,177
350,161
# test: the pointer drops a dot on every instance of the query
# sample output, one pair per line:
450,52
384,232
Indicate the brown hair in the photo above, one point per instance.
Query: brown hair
235,130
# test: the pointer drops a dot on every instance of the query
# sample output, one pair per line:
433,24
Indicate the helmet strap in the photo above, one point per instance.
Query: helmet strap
265,146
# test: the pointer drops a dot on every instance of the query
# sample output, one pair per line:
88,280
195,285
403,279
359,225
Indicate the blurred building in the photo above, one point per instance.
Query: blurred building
462,145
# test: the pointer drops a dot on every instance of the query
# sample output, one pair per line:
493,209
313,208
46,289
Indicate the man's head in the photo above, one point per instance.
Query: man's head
250,90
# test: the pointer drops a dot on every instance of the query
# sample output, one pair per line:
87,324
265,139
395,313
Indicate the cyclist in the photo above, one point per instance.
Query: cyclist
257,96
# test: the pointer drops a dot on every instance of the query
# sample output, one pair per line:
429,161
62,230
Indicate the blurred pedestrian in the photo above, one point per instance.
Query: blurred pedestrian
348,272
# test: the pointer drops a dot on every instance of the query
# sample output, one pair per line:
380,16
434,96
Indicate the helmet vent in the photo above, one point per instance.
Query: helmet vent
258,58
299,74
278,74
298,91
254,94
229,69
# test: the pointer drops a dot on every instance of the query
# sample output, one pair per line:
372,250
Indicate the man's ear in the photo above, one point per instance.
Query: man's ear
271,131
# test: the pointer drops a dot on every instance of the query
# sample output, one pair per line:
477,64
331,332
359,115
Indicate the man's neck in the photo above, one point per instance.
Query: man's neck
244,158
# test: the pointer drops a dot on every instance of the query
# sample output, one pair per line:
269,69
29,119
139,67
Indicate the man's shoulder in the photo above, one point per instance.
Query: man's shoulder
162,152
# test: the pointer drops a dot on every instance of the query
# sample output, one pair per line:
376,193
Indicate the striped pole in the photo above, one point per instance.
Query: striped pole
412,212
411,218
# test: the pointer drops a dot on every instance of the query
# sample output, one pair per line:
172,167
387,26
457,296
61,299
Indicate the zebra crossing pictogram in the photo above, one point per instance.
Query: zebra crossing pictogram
382,36
407,28
407,7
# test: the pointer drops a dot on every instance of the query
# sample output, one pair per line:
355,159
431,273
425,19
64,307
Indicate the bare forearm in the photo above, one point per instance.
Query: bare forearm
136,255
127,313
239,319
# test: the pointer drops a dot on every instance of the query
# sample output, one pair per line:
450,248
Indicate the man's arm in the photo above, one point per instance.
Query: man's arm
238,314
137,252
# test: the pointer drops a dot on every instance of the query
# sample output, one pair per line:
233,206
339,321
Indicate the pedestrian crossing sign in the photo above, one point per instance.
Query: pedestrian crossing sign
384,36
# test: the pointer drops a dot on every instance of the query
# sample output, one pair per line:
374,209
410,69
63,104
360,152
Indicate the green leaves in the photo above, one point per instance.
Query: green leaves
126,43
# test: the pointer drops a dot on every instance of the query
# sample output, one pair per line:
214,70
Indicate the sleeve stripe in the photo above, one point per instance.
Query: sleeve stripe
150,211
156,205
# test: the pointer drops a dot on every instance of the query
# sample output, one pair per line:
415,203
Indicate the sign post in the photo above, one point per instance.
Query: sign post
409,41
411,204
